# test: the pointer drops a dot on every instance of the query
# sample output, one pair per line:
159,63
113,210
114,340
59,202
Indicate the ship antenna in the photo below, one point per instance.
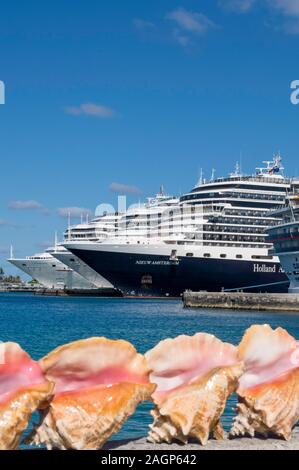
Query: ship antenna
200,181
69,225
241,163
11,252
213,174
162,193
81,218
55,241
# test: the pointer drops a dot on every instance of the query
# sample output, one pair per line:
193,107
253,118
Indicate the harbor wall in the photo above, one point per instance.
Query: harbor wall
242,301
96,292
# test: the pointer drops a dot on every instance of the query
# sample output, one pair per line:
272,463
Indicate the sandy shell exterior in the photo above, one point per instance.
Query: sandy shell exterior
192,409
269,389
85,418
16,414
16,411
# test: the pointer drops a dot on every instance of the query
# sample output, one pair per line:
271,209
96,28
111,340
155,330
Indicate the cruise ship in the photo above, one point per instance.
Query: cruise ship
51,273
135,223
57,268
214,239
285,238
97,229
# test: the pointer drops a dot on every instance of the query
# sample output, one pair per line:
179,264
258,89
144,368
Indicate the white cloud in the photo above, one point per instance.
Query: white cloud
181,39
287,7
73,211
291,27
124,189
188,24
190,21
26,205
4,223
288,10
91,109
142,25
23,205
239,6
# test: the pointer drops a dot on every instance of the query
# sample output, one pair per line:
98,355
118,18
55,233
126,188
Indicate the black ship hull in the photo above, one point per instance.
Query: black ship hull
147,275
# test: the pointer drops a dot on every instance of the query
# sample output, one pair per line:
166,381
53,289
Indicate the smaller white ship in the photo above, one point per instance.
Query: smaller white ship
96,230
285,238
50,272
135,223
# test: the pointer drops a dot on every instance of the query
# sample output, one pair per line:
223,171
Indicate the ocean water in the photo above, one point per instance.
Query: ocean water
39,324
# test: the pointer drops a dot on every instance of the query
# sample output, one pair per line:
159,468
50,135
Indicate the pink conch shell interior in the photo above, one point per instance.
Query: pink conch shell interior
269,388
183,360
17,371
92,362
98,384
23,388
267,354
194,377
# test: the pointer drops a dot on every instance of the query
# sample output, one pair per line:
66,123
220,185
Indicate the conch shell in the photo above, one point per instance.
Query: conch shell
269,388
98,385
23,389
194,377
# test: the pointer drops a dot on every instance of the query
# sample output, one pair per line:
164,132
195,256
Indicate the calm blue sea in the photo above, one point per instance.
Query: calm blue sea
39,324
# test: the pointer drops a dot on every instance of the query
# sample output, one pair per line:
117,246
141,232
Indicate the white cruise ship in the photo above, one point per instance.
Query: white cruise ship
135,222
50,272
96,230
57,268
285,238
214,239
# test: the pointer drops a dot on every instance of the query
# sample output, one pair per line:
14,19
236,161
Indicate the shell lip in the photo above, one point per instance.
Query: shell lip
101,387
159,396
47,387
254,389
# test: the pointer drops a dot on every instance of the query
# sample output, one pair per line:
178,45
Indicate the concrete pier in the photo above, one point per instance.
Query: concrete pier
38,290
242,301
104,292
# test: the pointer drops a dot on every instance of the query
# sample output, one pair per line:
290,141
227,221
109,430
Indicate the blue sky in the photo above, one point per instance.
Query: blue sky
136,94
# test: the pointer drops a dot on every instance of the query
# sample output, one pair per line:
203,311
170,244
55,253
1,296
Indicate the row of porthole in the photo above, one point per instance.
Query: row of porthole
223,255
